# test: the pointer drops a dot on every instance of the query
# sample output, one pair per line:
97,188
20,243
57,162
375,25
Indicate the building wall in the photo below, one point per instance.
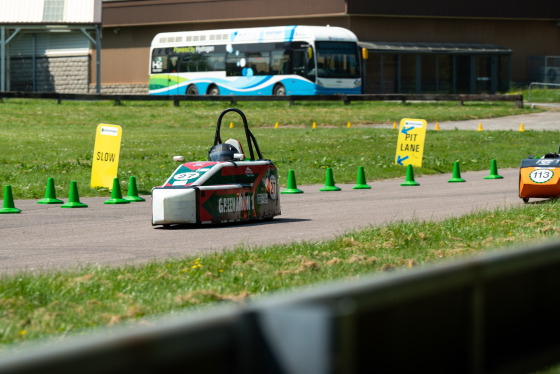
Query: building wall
132,13
495,9
529,29
524,37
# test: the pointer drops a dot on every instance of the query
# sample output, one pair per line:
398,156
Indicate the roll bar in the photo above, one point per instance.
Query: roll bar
249,135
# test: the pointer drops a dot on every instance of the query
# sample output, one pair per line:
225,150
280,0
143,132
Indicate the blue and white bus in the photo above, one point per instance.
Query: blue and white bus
285,60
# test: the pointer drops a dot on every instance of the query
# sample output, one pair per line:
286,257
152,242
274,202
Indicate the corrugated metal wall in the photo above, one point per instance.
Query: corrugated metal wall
50,44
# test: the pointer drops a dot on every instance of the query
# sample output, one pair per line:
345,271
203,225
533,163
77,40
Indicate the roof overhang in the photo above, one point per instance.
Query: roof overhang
40,13
435,48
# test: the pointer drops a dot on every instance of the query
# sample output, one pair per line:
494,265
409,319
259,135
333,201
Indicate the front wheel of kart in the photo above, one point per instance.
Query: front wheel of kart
525,200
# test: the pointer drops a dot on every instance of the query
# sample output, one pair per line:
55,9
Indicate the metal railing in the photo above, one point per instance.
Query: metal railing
347,99
496,313
543,93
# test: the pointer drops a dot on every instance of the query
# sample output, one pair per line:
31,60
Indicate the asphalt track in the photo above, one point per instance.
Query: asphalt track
47,237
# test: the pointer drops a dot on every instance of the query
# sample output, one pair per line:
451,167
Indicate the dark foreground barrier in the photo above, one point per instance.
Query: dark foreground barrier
493,314
347,99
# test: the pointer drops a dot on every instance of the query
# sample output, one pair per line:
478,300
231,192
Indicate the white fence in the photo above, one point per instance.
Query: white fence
544,93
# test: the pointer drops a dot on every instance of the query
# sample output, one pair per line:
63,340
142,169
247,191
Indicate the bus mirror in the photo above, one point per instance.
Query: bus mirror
365,54
310,52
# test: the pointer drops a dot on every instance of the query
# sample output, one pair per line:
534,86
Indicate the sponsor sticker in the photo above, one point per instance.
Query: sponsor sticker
545,161
239,203
112,131
272,187
262,198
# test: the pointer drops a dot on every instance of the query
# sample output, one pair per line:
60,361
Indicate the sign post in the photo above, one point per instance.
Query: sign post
106,155
410,145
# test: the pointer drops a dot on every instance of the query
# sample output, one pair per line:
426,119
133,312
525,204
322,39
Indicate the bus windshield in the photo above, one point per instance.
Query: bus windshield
337,60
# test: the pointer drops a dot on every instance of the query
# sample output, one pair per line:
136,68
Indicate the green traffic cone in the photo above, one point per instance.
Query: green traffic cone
409,177
74,198
8,205
116,195
292,185
493,171
50,194
361,182
133,191
329,182
456,174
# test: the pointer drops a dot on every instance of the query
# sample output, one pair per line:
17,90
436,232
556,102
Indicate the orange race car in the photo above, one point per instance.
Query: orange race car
540,177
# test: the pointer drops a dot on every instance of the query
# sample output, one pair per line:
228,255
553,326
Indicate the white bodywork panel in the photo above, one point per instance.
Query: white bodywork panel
173,206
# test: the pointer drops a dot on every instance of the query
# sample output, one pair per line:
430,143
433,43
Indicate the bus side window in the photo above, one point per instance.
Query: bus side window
280,62
159,64
233,67
174,66
286,68
184,65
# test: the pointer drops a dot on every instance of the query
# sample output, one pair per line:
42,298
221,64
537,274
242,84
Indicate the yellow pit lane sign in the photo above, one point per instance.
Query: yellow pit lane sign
410,145
106,155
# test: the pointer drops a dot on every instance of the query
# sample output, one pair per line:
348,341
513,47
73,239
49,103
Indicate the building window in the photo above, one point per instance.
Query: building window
53,11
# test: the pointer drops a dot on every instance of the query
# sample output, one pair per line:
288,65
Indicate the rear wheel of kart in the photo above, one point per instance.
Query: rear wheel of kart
192,90
213,90
279,90
525,200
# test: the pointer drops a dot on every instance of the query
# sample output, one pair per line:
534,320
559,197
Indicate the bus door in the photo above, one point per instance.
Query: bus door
303,60
172,77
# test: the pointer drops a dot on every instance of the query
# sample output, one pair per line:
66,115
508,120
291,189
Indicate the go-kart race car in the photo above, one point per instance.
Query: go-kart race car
227,188
540,177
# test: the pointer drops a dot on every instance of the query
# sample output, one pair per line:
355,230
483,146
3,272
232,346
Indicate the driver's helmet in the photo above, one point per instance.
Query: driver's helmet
222,152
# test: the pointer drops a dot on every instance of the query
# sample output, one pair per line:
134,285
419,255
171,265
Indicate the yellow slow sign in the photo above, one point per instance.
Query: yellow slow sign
106,155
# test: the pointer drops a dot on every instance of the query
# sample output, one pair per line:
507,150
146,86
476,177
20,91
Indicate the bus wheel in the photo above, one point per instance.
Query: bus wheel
213,90
192,90
279,90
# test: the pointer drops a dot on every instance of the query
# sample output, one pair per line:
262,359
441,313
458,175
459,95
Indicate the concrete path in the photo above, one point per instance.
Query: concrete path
549,121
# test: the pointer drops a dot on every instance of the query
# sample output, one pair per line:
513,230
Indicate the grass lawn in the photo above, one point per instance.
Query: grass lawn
42,139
